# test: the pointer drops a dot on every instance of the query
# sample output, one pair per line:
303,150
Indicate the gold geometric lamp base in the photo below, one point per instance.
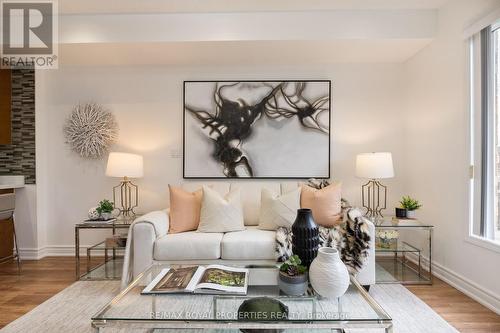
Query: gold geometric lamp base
129,197
374,198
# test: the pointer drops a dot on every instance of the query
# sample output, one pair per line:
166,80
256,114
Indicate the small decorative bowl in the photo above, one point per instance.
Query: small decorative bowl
262,309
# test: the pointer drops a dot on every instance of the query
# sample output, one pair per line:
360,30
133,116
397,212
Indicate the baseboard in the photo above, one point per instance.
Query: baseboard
466,286
32,253
55,251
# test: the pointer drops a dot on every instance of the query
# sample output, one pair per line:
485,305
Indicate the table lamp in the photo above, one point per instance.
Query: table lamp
374,166
125,166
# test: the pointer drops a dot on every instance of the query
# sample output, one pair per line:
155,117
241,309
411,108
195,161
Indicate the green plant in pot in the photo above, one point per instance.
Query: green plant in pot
292,278
105,209
410,205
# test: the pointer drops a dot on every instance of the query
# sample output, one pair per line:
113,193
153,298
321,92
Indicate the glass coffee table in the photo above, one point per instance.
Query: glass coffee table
146,313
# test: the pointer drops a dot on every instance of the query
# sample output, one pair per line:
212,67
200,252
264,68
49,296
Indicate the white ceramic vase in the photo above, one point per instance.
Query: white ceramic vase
328,274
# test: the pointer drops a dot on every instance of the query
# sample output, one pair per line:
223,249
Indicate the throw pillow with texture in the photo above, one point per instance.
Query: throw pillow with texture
184,209
325,203
278,210
221,214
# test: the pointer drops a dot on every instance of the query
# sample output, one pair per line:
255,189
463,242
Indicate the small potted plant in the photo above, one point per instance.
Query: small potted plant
293,279
105,209
410,205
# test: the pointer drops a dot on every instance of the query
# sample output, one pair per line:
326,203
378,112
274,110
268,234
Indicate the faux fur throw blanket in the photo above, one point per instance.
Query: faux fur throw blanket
351,238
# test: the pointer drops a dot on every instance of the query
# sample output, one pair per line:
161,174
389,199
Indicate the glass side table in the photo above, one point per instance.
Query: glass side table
110,269
403,251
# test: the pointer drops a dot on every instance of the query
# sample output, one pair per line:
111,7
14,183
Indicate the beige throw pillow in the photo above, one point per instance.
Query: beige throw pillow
278,210
325,203
184,209
221,214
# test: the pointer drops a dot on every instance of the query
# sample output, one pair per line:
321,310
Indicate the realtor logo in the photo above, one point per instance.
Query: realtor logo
28,34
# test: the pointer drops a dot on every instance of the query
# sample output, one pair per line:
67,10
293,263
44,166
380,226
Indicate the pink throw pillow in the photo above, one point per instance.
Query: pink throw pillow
184,209
325,203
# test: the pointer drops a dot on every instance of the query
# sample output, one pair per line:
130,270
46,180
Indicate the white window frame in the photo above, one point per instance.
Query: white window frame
481,202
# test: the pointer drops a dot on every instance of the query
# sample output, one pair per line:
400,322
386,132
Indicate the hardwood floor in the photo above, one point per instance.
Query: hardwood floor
461,311
44,278
39,281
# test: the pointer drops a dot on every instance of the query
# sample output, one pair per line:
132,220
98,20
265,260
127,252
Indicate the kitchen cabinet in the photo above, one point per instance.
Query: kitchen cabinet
5,107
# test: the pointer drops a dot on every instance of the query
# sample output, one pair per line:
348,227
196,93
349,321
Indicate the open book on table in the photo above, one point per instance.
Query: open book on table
212,279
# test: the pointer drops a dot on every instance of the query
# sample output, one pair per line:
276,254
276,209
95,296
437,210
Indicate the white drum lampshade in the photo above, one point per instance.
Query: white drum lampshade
374,166
125,166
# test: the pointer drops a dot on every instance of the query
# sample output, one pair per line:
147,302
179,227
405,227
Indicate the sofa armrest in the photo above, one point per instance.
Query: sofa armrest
157,220
366,276
145,231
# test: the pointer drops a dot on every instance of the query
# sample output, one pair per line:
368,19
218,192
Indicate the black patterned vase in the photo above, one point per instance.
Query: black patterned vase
305,236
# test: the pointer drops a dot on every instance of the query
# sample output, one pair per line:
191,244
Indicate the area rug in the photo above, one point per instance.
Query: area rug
71,309
383,275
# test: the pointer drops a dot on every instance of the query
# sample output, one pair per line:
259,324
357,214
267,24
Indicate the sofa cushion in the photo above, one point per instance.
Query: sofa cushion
184,209
191,245
251,243
250,198
325,204
289,186
278,210
220,214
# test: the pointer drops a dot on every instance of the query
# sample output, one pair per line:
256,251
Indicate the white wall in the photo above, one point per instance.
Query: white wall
437,151
147,101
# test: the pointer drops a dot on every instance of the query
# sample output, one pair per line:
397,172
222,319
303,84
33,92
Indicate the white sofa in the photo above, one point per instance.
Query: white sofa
151,243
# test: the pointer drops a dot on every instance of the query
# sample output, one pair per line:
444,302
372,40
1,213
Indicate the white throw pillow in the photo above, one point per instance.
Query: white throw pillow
220,214
278,211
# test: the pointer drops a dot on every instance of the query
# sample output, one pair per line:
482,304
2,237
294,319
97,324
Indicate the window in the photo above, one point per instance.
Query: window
495,233
485,134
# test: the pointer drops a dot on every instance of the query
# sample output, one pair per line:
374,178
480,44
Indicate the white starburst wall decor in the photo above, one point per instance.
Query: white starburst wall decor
90,130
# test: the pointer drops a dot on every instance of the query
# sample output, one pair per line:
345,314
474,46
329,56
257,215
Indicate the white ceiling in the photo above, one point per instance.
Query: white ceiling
183,6
230,32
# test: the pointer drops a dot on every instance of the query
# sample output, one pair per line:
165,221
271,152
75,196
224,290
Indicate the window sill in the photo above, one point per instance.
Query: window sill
484,243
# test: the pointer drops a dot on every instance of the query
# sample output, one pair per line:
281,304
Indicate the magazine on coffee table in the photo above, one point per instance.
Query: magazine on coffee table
212,279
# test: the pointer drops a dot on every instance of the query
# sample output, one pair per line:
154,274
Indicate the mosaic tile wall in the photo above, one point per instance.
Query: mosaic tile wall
18,158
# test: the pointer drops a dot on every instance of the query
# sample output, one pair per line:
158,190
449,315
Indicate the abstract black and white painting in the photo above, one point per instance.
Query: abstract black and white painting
257,129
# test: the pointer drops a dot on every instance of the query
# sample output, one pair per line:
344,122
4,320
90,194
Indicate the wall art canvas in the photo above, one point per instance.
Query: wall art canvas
257,129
